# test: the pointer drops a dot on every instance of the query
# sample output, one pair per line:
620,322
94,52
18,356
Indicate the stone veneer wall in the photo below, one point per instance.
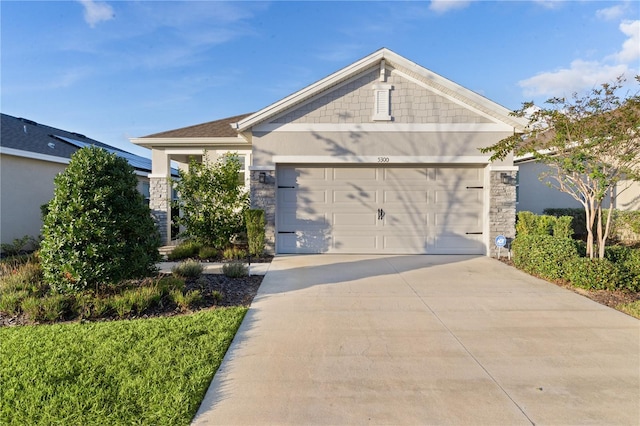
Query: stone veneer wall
263,196
159,205
502,208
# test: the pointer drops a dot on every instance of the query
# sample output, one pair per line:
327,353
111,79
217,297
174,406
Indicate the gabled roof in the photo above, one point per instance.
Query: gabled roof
218,128
423,75
20,136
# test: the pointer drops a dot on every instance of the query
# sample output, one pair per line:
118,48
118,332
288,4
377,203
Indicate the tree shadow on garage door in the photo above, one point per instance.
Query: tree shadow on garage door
298,272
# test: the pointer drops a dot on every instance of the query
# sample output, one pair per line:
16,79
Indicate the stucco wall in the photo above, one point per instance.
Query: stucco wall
337,144
25,185
534,195
628,195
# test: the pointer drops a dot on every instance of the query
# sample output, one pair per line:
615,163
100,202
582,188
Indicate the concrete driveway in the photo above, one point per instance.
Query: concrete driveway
424,340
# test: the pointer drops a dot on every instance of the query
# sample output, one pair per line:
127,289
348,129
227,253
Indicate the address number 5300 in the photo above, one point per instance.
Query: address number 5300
383,159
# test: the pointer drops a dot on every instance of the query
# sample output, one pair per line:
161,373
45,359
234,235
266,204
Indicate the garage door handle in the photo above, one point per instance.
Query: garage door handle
381,214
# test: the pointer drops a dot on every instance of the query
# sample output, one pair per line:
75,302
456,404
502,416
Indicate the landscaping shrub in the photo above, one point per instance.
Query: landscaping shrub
235,270
529,223
561,227
186,301
628,262
579,222
185,250
98,228
544,255
188,269
212,200
208,253
254,219
593,274
234,253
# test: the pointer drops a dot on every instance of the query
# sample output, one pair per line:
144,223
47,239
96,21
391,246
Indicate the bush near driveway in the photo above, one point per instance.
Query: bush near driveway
144,372
97,229
544,255
554,258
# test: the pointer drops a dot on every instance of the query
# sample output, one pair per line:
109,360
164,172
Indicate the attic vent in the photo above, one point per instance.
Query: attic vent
382,102
51,145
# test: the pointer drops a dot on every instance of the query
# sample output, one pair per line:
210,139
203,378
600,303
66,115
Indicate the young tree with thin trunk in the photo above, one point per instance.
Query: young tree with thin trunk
590,143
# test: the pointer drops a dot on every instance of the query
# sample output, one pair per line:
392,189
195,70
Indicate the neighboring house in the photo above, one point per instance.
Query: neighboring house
31,155
535,195
381,156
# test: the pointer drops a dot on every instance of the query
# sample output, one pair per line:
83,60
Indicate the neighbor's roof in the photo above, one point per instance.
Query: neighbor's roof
20,135
212,129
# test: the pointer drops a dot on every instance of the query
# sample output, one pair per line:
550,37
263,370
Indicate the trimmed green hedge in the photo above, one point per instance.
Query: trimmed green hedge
625,225
544,255
554,258
532,224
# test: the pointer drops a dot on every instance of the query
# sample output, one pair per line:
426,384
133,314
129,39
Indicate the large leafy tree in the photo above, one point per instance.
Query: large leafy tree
212,200
97,229
590,143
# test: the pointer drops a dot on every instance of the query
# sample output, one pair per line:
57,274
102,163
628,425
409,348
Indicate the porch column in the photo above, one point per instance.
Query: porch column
502,204
160,193
263,196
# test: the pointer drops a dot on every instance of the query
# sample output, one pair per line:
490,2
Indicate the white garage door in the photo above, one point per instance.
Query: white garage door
409,210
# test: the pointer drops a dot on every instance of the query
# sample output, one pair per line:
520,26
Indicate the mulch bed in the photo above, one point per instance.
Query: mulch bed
235,292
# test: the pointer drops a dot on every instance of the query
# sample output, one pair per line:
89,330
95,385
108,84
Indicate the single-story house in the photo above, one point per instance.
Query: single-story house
31,155
535,195
381,156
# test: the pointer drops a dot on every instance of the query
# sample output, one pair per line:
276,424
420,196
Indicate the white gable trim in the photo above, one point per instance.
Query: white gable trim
199,142
394,60
384,127
453,99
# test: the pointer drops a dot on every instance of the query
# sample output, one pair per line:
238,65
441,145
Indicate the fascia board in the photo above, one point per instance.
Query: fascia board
49,158
181,142
311,90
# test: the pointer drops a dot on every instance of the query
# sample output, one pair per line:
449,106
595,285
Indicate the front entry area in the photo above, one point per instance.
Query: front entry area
380,209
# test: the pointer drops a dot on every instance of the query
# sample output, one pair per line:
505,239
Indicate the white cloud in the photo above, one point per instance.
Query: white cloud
611,13
631,46
549,4
96,12
443,6
581,74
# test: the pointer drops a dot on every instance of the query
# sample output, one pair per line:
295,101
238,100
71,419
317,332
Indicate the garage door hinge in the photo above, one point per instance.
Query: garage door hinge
286,232
473,233
475,187
286,187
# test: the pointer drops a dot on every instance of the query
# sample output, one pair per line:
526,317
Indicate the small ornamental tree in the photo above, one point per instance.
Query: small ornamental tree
589,143
97,229
212,200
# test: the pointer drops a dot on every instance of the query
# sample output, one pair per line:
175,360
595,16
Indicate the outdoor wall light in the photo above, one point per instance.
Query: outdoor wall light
262,177
507,179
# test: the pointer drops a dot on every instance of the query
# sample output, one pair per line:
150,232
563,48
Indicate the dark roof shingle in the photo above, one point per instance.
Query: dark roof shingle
212,129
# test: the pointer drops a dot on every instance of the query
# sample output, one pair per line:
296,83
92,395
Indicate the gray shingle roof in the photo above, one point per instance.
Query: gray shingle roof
212,129
27,135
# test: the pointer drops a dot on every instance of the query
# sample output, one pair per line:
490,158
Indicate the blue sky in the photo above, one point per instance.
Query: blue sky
119,69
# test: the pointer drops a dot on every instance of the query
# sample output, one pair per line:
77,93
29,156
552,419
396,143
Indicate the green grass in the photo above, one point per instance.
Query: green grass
632,308
151,372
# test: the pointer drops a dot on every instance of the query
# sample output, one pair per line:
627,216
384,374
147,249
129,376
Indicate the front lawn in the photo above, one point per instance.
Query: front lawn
154,371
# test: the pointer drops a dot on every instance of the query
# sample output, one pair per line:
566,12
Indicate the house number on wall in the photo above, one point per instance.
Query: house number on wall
383,159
